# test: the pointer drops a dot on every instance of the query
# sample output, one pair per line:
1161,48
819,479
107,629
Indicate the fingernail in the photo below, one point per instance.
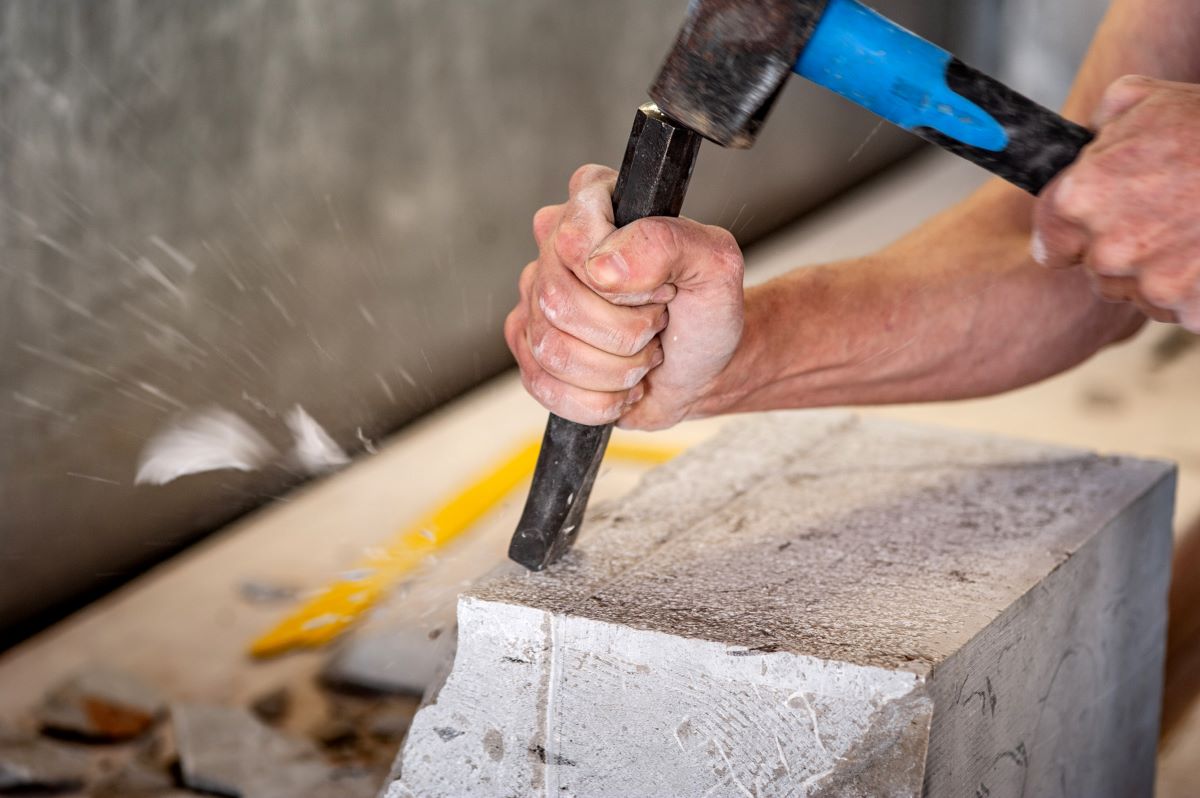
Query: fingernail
636,394
663,294
658,358
607,269
1037,248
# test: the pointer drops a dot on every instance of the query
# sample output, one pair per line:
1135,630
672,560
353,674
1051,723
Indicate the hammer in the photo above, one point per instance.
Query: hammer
719,82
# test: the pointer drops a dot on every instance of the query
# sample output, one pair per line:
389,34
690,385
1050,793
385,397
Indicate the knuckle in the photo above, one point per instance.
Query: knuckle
1160,290
633,376
585,174
727,252
512,327
628,340
1111,255
1124,86
658,237
525,281
555,303
544,218
551,349
1074,197
572,243
542,387
602,408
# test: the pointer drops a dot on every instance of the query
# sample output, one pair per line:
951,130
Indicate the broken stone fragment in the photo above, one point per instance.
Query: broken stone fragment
139,780
227,751
401,659
37,765
101,704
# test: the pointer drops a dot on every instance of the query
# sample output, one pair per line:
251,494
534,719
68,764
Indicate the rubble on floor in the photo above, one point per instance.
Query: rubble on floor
102,704
228,751
106,734
33,764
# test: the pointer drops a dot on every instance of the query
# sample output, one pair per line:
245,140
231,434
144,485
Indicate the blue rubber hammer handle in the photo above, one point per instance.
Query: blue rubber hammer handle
917,85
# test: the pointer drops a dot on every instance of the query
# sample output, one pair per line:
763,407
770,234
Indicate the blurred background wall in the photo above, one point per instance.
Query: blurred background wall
254,205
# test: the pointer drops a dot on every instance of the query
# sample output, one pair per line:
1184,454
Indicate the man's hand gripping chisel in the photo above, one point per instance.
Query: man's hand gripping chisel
719,81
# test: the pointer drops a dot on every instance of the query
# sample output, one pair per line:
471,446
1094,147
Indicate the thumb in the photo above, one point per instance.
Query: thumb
650,259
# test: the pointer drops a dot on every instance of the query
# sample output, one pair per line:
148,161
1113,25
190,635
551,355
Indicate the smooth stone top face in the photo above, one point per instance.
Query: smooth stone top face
856,540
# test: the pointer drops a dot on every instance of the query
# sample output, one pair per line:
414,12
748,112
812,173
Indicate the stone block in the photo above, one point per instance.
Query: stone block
816,604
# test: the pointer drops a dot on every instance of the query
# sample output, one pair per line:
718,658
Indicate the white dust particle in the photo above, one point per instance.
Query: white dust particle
93,478
1037,248
387,389
153,272
206,441
315,451
161,394
182,260
368,444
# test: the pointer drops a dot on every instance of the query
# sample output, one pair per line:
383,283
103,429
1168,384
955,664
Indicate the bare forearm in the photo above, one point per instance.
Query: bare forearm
956,309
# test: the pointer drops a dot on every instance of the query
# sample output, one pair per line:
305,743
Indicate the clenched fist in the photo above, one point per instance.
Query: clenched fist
1128,210
629,325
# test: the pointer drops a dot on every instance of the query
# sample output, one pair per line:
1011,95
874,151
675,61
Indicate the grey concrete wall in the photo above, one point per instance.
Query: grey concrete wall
1043,43
258,204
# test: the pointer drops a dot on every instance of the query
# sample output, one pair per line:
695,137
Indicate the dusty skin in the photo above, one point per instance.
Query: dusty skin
648,325
1127,210
632,323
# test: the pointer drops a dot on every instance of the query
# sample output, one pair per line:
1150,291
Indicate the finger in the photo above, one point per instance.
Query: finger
544,222
587,217
575,363
1114,289
1189,316
1170,280
649,259
591,174
1125,289
525,281
571,402
1154,311
570,306
1121,95
1058,240
1113,255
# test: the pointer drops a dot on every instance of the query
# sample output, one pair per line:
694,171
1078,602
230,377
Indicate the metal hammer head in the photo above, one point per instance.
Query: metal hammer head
730,61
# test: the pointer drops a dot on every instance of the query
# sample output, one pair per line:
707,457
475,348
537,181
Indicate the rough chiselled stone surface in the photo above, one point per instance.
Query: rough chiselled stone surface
820,605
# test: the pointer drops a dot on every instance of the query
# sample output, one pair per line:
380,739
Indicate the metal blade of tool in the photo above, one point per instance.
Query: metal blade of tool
653,180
